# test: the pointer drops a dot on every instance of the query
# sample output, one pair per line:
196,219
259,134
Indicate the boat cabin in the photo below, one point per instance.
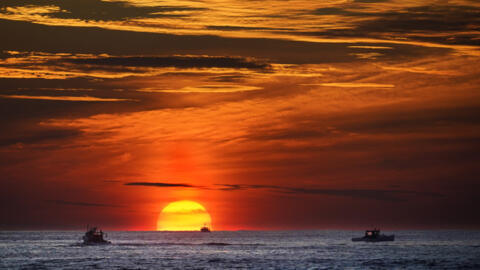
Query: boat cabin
94,235
372,233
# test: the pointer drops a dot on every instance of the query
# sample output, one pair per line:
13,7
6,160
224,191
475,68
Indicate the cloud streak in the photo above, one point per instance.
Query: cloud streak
85,204
375,194
160,184
89,9
173,61
66,98
65,65
354,85
219,88
35,136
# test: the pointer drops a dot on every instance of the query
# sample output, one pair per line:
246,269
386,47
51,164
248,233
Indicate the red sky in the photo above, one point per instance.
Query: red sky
271,114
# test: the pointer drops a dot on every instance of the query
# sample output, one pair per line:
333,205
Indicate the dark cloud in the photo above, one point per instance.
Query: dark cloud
16,35
370,1
97,10
228,187
37,135
4,55
433,18
392,195
406,120
159,184
240,28
427,18
173,61
338,11
291,134
86,204
451,20
20,116
229,78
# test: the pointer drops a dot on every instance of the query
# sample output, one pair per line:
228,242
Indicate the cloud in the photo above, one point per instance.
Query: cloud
66,98
395,120
295,133
370,1
173,61
96,10
33,136
427,18
86,204
337,11
422,70
230,187
15,36
67,65
371,47
239,28
355,85
219,88
159,184
375,194
438,23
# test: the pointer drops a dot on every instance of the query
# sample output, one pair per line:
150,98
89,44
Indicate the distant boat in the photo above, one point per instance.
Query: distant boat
205,229
94,236
374,236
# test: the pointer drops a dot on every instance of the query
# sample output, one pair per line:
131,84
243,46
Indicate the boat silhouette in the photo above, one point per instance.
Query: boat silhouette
94,236
374,236
205,228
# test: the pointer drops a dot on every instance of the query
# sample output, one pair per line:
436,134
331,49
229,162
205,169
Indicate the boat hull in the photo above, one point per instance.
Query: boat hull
96,243
381,238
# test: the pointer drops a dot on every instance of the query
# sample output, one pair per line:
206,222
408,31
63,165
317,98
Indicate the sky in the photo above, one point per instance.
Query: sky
272,114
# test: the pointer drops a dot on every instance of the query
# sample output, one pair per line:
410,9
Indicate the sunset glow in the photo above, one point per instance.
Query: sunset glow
183,216
274,115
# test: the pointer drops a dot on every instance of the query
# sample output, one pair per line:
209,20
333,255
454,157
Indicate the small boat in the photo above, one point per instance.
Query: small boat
205,228
374,236
94,236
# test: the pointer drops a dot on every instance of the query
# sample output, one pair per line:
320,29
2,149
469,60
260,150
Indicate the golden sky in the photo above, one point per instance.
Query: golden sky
270,114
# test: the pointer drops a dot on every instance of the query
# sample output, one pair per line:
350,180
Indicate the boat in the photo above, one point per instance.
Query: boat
94,236
374,236
205,228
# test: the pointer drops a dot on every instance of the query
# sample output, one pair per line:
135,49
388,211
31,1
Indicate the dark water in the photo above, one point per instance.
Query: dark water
241,250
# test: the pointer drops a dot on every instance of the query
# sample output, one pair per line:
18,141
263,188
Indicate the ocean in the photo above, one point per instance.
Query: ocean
241,250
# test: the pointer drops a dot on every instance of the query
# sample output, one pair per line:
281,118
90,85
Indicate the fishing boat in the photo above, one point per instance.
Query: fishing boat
205,228
374,236
94,236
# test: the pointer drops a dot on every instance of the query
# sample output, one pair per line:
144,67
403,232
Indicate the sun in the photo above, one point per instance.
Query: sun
183,216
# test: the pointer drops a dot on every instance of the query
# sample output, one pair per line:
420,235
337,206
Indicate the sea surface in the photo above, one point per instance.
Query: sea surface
241,250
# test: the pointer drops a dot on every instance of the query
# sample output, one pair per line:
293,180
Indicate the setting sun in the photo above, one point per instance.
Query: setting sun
183,216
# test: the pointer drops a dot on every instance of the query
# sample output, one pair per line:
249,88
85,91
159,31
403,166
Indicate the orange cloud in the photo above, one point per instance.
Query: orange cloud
64,98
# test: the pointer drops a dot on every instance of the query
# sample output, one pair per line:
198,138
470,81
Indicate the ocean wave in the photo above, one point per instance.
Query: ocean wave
244,250
180,244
